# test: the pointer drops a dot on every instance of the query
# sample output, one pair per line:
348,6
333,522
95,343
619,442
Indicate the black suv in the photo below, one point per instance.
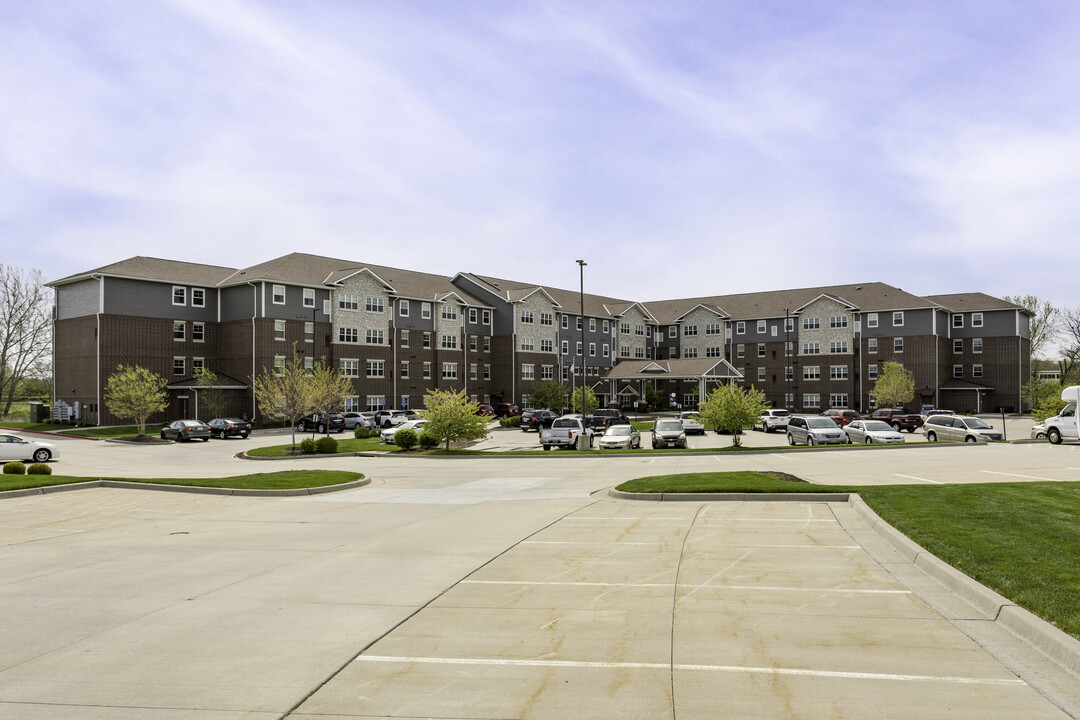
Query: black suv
317,422
537,419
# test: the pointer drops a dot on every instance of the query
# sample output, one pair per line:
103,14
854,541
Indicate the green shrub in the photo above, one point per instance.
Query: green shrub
428,441
307,445
39,469
14,468
363,433
326,444
510,421
406,438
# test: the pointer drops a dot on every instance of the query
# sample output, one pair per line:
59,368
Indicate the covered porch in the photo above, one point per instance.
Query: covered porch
628,379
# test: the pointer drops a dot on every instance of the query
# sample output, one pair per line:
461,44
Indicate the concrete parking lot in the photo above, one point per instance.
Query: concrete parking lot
495,587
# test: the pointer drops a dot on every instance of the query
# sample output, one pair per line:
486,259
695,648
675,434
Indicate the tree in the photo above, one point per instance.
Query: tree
1045,398
732,408
451,417
211,397
591,403
286,391
1044,323
137,393
548,394
25,325
894,387
329,388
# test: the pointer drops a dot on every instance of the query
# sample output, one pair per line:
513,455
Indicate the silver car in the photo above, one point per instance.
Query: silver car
957,428
620,436
668,433
815,430
872,431
691,422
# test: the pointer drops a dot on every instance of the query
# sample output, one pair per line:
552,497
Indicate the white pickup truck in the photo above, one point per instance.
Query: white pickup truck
564,432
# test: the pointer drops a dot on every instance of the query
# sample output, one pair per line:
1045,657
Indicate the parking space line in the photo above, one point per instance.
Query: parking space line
913,477
756,588
1029,477
748,669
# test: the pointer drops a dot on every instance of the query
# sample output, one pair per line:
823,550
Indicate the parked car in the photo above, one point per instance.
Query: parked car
932,412
620,436
184,430
841,417
692,423
872,431
1038,431
815,430
505,409
318,422
387,435
390,418
668,432
13,447
486,410
1062,426
564,432
229,427
899,419
957,428
606,417
537,419
774,419
354,420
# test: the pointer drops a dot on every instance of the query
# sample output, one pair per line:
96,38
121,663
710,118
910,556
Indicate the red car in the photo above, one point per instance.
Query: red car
506,409
485,410
842,417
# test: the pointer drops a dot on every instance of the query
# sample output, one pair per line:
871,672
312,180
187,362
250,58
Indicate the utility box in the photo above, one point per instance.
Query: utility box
38,412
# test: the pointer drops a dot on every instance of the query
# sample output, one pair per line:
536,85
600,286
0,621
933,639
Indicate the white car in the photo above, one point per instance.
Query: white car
872,431
387,435
620,436
691,422
13,447
774,419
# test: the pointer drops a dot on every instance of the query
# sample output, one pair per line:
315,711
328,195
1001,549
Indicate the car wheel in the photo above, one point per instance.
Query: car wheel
320,428
1040,436
163,435
931,437
765,428
386,424
243,436
911,429
223,435
868,440
206,439
300,426
547,447
896,426
790,439
42,455
809,440
969,438
1054,436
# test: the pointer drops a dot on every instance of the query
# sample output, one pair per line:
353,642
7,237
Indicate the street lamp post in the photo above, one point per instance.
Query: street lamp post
581,268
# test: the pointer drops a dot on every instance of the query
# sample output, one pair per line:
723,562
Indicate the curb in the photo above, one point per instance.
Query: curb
194,489
48,433
731,497
243,455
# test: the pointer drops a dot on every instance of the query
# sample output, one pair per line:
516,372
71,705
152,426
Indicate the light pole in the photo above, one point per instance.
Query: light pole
581,268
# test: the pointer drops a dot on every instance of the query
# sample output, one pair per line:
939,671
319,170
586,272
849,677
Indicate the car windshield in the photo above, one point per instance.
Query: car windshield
668,425
820,423
693,417
565,424
976,424
876,425
779,413
619,430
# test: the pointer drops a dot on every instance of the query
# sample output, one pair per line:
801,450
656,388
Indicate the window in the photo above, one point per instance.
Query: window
577,348
789,324
811,400
486,317
740,351
527,316
278,295
448,342
565,322
976,319
624,351
547,372
425,311
528,372
374,337
898,318
690,352
761,374
639,352
565,372
672,331
811,372
326,306
592,349
309,363
198,332
871,345
712,351
403,308
592,324
871,372
547,346
976,345
789,348
527,344
838,372
449,371
624,328
761,350
376,368
838,400
898,345
350,368
639,330
789,373
871,320
179,365
487,344
426,340
809,323
607,327
487,372
279,329
179,295
425,371
279,364
472,316
375,403
449,312
976,371
352,403
179,330
958,346
740,328
712,329
198,364
761,326
838,346
198,297
403,370
811,348
348,302
349,335
958,320
472,343
606,351
838,321
689,330
565,347
404,338
474,369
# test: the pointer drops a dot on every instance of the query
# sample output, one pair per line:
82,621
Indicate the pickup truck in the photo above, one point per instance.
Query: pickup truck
564,432
603,418
899,419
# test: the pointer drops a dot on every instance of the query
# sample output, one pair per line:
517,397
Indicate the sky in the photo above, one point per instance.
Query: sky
681,149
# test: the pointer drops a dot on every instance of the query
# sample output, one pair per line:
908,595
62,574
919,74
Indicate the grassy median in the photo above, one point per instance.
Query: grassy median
1020,539
286,480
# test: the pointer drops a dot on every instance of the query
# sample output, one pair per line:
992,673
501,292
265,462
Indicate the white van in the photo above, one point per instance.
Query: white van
1062,426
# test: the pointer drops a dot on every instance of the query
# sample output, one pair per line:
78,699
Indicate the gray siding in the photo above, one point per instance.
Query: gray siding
142,298
414,320
238,303
294,308
916,322
998,323
78,299
503,314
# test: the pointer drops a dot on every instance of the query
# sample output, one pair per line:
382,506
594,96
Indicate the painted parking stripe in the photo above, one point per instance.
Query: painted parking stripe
913,477
514,662
1029,477
763,588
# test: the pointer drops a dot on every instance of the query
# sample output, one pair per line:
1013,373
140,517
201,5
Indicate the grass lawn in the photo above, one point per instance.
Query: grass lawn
287,480
345,445
1020,539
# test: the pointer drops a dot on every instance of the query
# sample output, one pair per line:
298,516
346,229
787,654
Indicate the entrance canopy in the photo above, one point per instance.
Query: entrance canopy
691,369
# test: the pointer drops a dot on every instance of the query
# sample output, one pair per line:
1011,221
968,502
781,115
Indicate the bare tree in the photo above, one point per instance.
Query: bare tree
25,325
1044,325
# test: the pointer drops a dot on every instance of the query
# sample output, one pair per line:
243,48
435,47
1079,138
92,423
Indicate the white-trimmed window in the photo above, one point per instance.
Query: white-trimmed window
871,345
624,328
577,348
761,374
373,304
425,340
606,350
278,295
958,371
871,320
689,330
761,327
838,321
838,372
838,346
789,373
976,371
811,372
740,350
198,331
957,346
309,363
487,343
198,364
547,372
373,337
547,318
639,352
976,319
958,320
527,344
592,349
526,316
179,365
898,318
811,348
448,342
578,321
449,371
179,295
348,335
376,368
898,344
352,403
976,345
565,321
279,329
740,327
624,351
473,343
349,368
640,330
673,331
838,400
789,324
592,324
712,329
403,308
425,310
403,370
690,352
565,347
472,316
761,349
713,351
449,312
871,372
487,372
547,346
528,372
809,323
347,301
309,297
375,403
309,332
179,330
789,348
425,371
279,364
474,370
607,327
404,338
198,297
811,400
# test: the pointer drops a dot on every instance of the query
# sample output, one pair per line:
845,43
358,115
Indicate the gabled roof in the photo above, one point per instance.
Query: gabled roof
715,310
974,302
224,383
684,369
342,276
156,270
842,301
568,300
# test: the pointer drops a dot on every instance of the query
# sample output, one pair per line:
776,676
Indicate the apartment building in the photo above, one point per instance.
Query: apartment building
397,333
